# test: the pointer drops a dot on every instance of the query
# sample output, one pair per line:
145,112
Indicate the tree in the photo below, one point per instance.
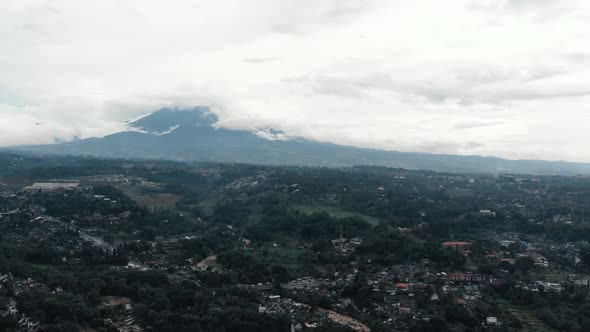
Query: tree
524,264
585,255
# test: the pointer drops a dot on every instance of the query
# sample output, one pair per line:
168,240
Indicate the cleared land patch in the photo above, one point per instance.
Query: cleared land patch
529,320
336,212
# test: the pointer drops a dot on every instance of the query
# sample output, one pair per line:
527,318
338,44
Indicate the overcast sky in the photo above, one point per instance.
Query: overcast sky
509,78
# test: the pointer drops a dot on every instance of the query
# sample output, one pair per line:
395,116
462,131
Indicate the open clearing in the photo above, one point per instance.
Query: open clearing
156,200
529,320
336,212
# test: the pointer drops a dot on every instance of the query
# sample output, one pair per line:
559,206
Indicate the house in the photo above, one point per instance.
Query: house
497,281
5,278
155,264
508,260
405,310
538,259
32,326
12,310
28,325
550,286
477,277
487,213
129,321
339,242
47,186
457,245
461,277
356,241
420,287
402,286
491,321
491,255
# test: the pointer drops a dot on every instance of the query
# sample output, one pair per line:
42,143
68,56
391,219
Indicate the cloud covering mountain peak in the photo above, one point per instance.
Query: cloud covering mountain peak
168,119
397,75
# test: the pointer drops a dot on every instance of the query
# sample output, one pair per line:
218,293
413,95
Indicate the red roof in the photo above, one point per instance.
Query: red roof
497,281
461,302
402,285
455,243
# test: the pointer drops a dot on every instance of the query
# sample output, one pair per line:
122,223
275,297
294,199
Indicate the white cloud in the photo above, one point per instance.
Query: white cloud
507,78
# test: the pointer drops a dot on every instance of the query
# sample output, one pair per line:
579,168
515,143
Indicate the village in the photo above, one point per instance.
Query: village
340,281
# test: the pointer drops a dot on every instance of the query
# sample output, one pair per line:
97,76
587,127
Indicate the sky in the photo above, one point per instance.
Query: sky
508,78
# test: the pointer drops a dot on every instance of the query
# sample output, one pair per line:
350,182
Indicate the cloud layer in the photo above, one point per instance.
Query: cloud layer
495,77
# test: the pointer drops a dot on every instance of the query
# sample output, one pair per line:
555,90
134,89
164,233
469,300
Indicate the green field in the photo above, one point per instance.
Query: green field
207,206
284,255
336,212
529,320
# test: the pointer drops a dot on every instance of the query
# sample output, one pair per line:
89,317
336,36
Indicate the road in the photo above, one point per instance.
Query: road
110,248
96,240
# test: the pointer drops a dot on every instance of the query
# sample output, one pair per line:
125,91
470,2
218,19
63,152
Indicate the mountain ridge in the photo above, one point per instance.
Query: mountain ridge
190,135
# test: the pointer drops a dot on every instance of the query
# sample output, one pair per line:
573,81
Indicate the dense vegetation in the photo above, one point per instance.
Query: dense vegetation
251,221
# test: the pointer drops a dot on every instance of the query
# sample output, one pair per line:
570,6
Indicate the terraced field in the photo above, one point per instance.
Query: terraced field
530,321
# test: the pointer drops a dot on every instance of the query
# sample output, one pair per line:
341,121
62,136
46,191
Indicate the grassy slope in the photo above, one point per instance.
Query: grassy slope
529,320
336,212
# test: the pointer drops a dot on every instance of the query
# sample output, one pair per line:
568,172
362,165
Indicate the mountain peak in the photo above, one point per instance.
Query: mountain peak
167,119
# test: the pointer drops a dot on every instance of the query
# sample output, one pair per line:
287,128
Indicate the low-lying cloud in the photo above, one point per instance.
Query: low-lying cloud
506,78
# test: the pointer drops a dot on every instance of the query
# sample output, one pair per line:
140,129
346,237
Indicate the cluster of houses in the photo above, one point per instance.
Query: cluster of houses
24,323
465,248
538,259
346,246
122,179
401,287
460,246
487,213
127,324
53,185
248,181
304,318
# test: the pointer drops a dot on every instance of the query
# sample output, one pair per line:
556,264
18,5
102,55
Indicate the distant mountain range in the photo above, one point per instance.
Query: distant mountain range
189,135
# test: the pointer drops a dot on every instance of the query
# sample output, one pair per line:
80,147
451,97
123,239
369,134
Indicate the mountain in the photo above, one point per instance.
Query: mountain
190,135
168,119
